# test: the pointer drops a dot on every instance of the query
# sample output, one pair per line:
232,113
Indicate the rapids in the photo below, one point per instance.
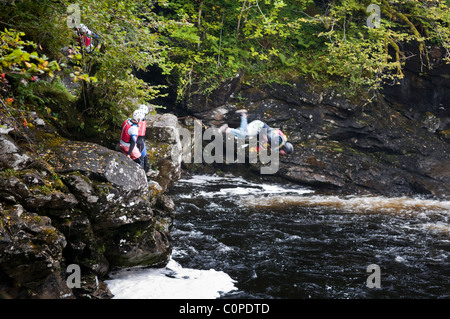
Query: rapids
235,238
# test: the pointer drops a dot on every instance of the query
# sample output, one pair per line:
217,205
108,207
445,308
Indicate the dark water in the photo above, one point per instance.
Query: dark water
281,241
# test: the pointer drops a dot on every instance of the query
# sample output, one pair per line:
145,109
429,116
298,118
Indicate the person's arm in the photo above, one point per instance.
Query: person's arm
275,148
281,141
132,145
264,142
133,131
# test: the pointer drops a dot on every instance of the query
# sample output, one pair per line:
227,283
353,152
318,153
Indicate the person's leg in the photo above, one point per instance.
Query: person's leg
236,132
136,154
241,132
146,163
255,127
140,143
244,122
139,161
124,149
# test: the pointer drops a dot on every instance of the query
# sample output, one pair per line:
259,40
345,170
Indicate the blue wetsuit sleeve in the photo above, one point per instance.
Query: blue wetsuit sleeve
132,144
281,142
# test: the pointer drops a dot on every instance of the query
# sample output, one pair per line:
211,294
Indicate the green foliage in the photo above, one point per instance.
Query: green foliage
42,21
106,75
15,60
44,94
363,56
128,43
328,43
51,100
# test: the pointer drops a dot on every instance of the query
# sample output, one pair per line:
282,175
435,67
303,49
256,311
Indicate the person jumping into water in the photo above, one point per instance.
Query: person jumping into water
254,128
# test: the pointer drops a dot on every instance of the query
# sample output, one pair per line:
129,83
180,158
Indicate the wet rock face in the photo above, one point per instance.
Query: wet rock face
90,206
381,147
31,253
110,188
423,90
165,156
93,159
10,155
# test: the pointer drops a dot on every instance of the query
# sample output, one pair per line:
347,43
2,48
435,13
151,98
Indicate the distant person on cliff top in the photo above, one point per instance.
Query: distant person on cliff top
88,39
255,128
141,137
128,137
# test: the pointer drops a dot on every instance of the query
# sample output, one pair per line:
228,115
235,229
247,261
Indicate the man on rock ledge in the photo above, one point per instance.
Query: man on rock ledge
128,137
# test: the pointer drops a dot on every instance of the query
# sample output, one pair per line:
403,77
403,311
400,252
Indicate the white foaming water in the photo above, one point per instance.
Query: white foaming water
273,196
416,208
240,187
438,227
200,179
359,204
171,282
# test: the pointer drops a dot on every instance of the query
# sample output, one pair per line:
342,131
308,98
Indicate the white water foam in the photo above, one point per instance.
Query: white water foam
171,282
201,179
361,204
438,227
272,195
240,187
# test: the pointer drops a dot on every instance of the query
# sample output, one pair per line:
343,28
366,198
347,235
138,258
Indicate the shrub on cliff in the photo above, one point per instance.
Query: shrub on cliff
128,42
352,44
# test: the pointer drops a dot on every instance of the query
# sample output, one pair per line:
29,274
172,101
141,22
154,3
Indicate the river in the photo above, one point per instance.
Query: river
236,238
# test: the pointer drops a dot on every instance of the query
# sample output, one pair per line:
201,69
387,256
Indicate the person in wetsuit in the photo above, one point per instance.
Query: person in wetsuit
129,136
257,127
141,137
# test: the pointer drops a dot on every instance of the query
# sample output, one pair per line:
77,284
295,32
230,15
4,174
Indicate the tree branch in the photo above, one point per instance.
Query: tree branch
398,52
240,17
405,19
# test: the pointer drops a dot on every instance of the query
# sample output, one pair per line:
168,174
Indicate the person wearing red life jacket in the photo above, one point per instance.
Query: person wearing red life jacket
87,39
128,137
141,137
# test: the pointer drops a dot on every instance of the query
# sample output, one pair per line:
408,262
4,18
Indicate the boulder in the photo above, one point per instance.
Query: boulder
164,148
73,202
11,156
95,160
34,196
31,255
116,199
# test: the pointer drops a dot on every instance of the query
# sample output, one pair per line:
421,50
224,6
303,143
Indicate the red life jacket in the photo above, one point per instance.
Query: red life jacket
283,137
84,40
281,142
124,136
142,128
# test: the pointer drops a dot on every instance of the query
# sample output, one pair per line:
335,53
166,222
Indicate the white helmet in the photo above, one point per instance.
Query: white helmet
144,108
138,115
84,29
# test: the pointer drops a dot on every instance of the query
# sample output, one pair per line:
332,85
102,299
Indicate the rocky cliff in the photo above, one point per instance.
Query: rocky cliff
65,202
395,144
